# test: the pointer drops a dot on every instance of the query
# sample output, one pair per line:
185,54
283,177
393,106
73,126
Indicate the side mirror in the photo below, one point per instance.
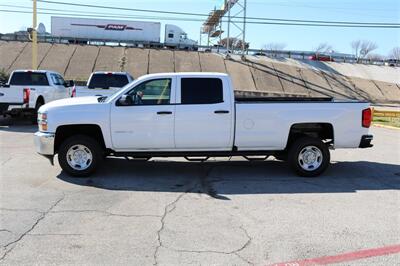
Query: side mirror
125,100
69,83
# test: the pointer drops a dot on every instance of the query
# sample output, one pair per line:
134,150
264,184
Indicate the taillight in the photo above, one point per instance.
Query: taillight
73,93
366,117
26,93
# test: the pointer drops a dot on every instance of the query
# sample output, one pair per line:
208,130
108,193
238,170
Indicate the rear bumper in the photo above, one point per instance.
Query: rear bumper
3,107
8,108
44,143
366,141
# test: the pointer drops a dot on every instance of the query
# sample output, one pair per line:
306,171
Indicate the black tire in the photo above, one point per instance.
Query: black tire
297,147
91,144
38,104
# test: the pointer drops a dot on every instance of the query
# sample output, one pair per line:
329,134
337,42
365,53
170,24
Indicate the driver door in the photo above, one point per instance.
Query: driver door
148,123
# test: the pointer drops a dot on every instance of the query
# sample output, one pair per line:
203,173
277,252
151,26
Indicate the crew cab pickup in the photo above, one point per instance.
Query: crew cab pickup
197,114
103,84
27,90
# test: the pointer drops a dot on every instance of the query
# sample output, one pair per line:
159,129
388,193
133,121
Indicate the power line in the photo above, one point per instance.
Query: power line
159,17
197,20
124,8
322,7
82,14
113,15
206,15
333,10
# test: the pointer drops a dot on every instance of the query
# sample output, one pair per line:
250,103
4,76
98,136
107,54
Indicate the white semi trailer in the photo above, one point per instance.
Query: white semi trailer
137,32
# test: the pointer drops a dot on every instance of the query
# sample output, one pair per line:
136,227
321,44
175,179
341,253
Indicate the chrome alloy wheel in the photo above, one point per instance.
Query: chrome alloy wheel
79,157
310,158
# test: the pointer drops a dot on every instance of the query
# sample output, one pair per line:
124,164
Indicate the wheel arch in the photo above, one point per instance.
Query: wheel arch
37,100
322,131
40,98
90,130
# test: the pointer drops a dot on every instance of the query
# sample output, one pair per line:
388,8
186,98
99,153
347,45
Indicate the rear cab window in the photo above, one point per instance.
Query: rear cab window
106,81
29,78
201,90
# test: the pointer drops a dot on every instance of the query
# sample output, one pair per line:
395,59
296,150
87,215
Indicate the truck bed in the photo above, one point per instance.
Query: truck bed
282,99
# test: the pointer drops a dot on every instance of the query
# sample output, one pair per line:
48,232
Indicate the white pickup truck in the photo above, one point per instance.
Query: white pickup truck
197,114
102,83
27,90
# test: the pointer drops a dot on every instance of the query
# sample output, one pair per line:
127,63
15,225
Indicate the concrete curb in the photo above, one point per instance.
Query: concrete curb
385,126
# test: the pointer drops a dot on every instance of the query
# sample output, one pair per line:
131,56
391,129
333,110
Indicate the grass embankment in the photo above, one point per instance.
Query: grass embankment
387,121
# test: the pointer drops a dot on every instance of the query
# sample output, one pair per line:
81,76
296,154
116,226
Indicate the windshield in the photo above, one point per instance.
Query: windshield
106,81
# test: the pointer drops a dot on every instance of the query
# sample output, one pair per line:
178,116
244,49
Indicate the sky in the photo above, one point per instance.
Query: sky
297,38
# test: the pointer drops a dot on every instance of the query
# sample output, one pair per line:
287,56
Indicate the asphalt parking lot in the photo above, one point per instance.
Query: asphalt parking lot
173,212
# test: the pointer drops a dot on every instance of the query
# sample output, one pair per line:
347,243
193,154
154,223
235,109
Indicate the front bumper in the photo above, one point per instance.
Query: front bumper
44,143
366,141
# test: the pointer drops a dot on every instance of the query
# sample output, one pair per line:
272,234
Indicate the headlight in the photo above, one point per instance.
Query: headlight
42,121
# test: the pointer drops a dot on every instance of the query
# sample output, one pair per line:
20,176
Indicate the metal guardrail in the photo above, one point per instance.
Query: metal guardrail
385,113
299,55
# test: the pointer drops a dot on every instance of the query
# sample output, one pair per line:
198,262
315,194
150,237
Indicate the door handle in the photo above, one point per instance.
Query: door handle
221,112
164,113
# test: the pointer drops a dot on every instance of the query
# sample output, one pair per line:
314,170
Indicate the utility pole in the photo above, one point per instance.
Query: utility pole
229,27
34,37
244,27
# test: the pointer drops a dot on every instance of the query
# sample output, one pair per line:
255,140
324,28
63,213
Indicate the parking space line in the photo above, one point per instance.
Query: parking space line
356,255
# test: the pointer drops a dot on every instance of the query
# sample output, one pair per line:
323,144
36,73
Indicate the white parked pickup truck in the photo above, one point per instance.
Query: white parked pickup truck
102,83
27,90
197,114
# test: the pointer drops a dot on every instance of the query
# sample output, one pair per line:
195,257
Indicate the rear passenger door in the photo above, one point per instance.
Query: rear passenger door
204,114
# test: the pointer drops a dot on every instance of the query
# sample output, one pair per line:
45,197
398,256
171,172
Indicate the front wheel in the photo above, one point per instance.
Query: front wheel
80,155
309,157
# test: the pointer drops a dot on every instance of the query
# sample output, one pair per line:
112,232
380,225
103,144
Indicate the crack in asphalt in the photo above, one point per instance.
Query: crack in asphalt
6,230
108,213
205,187
167,210
30,229
55,234
21,210
6,161
249,239
233,252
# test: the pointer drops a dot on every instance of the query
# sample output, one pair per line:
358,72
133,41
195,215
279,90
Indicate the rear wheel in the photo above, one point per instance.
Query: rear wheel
309,157
38,104
80,155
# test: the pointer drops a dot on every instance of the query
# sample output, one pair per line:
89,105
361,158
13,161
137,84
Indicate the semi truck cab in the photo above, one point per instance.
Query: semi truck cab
175,37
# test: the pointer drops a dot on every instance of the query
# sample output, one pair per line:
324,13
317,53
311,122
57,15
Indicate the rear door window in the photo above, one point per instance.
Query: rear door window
29,78
201,90
106,81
